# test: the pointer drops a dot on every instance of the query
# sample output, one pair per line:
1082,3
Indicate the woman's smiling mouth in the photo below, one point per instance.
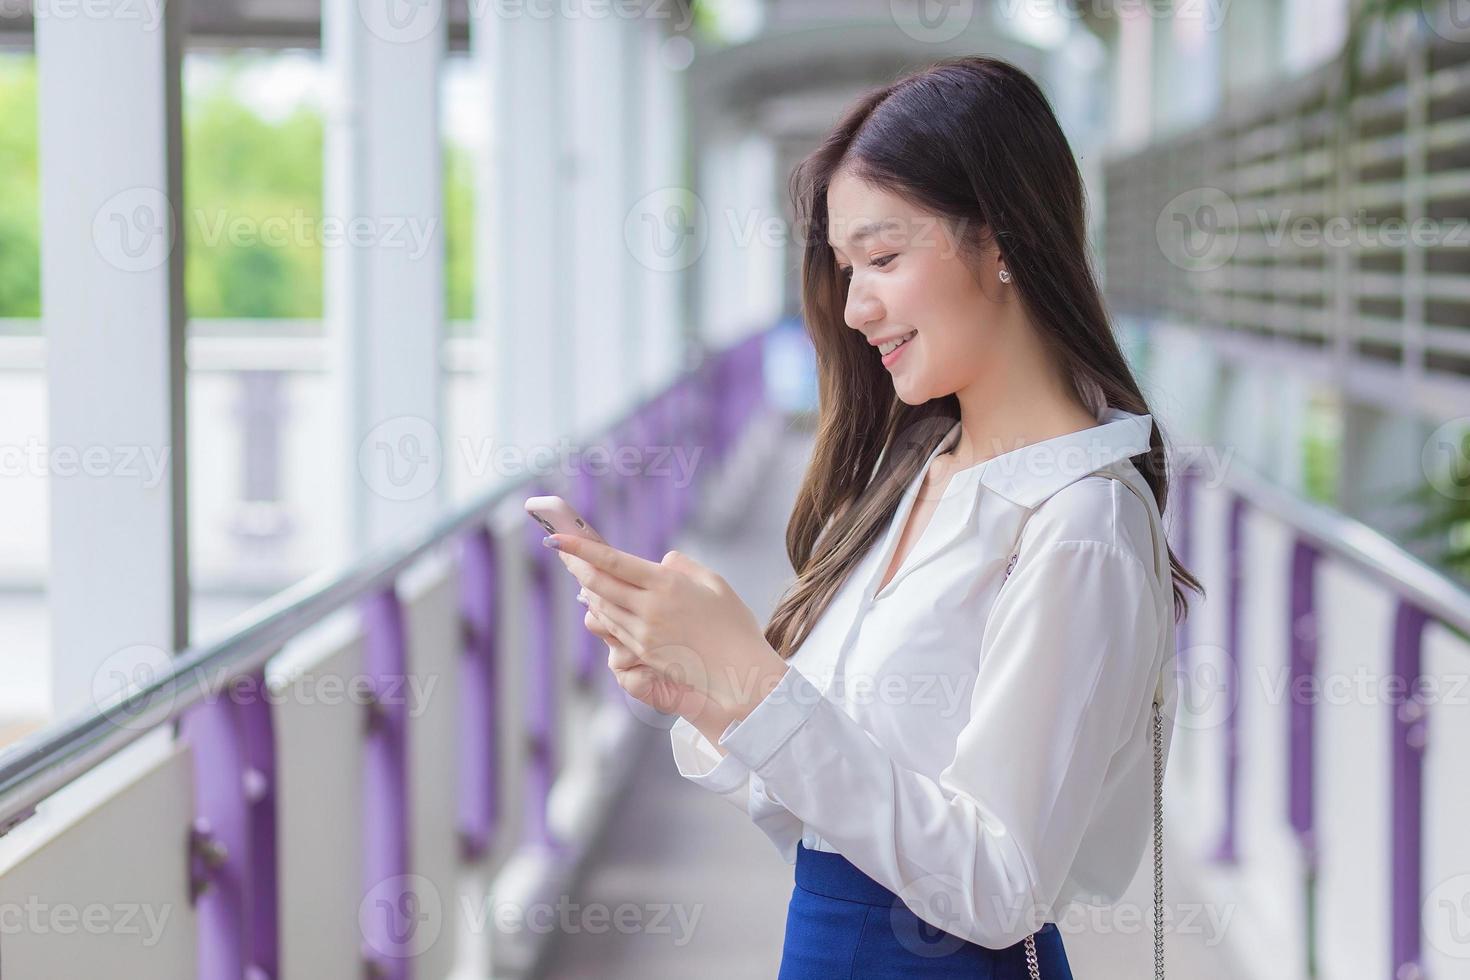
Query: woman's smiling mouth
892,349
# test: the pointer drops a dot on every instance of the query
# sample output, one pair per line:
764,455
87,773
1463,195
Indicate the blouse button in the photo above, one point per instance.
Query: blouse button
1011,564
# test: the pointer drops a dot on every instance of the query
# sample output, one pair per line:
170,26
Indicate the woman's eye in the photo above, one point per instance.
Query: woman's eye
846,270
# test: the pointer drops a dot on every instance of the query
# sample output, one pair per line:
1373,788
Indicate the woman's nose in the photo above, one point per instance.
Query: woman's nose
862,307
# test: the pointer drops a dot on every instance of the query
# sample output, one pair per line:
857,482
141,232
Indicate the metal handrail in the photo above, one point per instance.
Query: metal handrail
45,761
1361,546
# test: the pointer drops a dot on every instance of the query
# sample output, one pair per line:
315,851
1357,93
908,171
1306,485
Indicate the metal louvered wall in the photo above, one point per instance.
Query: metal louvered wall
1324,218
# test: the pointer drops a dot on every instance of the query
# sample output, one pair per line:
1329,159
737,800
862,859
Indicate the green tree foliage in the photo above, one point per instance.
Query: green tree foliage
20,246
253,207
459,226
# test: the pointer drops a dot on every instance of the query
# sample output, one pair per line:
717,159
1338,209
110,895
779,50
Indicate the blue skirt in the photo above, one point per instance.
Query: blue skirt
843,925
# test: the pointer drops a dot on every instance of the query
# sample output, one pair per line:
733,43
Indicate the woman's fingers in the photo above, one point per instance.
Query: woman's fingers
615,618
601,581
642,682
595,624
620,658
631,569
605,626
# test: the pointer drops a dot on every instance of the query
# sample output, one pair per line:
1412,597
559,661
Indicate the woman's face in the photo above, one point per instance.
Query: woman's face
908,277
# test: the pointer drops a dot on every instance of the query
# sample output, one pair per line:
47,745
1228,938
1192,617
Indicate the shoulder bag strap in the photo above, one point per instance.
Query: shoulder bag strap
1032,965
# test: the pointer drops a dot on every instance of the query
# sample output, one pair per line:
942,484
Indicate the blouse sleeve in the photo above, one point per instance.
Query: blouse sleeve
701,763
982,851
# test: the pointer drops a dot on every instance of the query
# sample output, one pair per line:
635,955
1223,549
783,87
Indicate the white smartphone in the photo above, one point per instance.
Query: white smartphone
559,517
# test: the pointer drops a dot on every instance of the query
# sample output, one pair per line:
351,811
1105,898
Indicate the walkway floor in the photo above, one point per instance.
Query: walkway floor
670,844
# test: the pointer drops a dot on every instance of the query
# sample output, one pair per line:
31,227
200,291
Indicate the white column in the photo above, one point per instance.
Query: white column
1313,31
1078,90
1187,66
761,232
1132,115
740,269
663,192
717,280
638,126
384,298
520,260
1253,44
594,262
113,314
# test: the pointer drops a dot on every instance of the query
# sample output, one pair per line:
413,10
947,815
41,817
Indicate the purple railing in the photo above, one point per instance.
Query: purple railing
1225,852
233,844
479,764
1422,595
1407,730
389,924
541,698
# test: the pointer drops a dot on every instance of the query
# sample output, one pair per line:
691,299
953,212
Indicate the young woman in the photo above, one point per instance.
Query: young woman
953,722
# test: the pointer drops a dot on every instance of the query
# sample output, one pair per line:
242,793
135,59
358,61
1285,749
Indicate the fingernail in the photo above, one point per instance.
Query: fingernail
549,542
582,598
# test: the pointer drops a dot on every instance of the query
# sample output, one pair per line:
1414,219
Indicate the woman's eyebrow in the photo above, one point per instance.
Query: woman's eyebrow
868,229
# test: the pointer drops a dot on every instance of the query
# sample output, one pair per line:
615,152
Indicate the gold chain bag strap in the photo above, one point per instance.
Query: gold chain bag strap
1032,964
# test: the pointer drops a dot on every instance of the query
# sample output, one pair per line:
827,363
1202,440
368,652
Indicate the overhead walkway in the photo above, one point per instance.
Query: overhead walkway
285,837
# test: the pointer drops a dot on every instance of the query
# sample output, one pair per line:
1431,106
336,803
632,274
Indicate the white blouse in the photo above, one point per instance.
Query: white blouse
985,754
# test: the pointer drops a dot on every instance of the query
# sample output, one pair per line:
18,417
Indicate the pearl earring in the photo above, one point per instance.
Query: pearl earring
1005,275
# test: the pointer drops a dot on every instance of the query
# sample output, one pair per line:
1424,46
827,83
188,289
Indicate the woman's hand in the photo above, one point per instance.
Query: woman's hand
680,620
640,680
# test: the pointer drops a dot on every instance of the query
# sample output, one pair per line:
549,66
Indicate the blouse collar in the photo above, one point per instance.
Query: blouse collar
1024,477
1029,474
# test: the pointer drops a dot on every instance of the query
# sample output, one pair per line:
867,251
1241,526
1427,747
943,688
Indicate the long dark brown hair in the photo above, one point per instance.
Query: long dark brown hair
974,141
